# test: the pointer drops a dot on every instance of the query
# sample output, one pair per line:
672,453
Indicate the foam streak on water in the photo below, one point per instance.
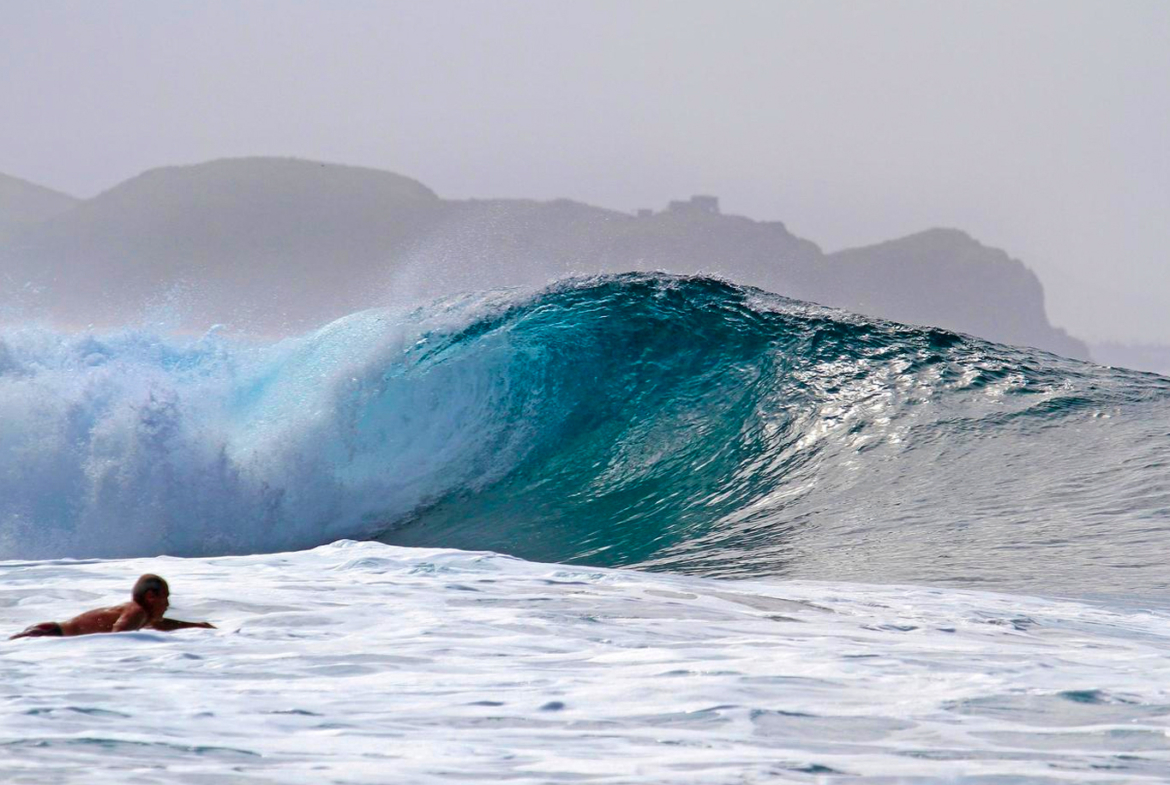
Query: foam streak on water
367,663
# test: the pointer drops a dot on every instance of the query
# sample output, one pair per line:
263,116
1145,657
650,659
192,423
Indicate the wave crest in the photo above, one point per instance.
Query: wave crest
636,419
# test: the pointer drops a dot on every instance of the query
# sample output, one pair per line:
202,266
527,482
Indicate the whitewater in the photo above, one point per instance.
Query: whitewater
634,528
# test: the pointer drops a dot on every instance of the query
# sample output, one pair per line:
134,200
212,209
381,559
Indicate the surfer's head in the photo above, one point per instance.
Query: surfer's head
153,594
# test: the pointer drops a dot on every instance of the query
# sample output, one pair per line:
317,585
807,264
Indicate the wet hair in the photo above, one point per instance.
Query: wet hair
147,583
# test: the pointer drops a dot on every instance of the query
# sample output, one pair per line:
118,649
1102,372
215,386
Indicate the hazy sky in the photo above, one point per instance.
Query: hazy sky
1040,127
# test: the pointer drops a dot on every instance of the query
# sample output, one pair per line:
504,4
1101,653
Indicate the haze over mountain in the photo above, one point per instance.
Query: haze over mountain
274,245
23,203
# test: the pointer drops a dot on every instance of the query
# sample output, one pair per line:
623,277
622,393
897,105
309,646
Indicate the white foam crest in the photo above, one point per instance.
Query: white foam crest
132,444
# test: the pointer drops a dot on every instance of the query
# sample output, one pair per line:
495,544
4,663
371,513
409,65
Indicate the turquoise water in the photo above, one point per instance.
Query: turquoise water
681,424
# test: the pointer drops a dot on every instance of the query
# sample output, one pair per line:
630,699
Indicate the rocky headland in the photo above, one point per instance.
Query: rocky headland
274,245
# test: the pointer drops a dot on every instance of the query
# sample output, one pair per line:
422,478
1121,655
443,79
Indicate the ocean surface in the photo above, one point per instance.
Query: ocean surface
634,528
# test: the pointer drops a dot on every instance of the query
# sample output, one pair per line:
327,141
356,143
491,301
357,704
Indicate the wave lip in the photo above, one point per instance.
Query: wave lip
651,420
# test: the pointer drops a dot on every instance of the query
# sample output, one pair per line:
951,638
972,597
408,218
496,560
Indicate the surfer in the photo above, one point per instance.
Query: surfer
150,599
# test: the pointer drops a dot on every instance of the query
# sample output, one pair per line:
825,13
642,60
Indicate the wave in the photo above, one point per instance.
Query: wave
651,420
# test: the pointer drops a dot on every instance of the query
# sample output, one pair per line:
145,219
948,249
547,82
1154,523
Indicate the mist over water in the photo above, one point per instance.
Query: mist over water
683,424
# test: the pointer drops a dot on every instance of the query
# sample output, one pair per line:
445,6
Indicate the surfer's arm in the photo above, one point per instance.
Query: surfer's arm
168,625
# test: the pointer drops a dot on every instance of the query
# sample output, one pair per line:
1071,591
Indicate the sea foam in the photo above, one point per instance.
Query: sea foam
365,663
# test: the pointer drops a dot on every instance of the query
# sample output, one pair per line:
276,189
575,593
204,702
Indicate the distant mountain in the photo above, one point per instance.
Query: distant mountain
945,278
277,244
283,239
23,203
506,242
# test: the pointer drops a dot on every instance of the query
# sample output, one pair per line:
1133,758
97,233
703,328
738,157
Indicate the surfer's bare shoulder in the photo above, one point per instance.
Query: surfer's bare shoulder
120,618
150,600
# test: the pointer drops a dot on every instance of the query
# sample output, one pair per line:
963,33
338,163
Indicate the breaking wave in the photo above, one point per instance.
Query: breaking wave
671,423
